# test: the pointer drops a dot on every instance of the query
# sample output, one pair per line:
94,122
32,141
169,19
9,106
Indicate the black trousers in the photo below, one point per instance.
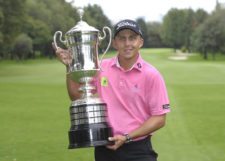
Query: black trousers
135,151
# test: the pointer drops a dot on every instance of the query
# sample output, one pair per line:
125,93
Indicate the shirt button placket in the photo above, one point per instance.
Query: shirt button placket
121,82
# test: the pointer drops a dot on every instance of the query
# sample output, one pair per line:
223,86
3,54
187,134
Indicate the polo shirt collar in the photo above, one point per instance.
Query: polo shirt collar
138,65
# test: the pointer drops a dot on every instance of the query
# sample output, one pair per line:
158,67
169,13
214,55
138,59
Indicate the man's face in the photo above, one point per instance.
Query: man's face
127,43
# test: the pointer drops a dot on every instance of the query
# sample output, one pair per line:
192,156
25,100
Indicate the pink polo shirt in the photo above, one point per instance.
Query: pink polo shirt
132,96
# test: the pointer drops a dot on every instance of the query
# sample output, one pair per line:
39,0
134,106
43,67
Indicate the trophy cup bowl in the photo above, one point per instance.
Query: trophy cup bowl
88,115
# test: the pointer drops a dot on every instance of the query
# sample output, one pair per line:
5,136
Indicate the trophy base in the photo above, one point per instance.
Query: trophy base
89,135
88,124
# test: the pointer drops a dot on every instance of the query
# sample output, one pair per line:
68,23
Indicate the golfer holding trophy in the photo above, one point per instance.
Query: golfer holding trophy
89,126
135,92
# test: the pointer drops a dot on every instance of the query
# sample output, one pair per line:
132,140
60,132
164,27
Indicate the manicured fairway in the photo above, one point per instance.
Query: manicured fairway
34,111
195,129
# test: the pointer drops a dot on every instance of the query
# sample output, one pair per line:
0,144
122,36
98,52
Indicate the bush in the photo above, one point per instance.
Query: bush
23,47
184,49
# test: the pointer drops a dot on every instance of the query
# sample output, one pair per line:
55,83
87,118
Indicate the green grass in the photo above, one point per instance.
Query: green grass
34,110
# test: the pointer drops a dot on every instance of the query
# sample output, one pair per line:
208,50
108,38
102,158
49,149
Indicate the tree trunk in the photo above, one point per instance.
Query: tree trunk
205,54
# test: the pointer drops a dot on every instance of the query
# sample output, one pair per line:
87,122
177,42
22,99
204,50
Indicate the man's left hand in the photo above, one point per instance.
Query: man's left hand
118,140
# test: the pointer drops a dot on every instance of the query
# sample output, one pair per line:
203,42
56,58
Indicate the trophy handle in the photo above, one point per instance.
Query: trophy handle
60,38
102,38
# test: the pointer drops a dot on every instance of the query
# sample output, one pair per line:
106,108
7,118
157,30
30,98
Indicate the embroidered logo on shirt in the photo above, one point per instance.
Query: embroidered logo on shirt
104,81
135,88
166,106
139,65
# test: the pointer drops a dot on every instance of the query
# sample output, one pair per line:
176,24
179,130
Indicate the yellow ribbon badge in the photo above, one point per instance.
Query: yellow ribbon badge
104,81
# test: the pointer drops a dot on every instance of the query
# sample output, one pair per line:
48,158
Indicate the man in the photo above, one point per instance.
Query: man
135,93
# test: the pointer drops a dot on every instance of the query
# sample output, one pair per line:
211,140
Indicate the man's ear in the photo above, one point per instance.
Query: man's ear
141,43
114,44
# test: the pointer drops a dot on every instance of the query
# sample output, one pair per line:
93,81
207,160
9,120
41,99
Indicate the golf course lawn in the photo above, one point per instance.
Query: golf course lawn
34,110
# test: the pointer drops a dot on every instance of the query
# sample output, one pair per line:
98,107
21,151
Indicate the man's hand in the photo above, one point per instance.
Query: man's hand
119,141
63,55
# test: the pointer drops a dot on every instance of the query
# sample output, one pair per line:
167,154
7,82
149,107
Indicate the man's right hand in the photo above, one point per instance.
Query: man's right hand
63,55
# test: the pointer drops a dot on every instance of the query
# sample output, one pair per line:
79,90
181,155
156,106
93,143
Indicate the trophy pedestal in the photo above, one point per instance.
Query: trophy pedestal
89,135
88,126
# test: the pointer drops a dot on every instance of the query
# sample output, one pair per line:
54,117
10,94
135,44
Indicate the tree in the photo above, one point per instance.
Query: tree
200,41
153,36
39,20
172,32
179,25
12,15
22,47
94,16
1,27
44,18
144,30
199,17
39,32
188,28
210,36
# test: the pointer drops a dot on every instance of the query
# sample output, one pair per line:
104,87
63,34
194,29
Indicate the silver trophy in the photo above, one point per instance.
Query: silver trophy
89,126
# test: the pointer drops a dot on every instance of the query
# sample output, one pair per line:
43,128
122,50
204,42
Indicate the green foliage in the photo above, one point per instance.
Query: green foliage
96,17
44,18
178,26
12,14
1,25
37,30
195,31
200,16
40,19
153,36
173,26
184,49
210,35
144,30
22,47
57,15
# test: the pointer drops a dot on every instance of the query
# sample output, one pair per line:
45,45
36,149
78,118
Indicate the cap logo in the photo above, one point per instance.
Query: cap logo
127,24
122,24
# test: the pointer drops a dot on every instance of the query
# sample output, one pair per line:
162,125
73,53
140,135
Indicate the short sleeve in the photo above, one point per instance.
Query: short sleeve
157,96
